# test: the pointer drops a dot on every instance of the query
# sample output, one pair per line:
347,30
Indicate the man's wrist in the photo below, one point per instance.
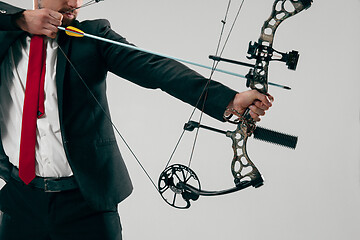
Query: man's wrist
18,20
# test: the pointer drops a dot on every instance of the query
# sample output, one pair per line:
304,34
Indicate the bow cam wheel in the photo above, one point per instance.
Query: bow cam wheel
171,191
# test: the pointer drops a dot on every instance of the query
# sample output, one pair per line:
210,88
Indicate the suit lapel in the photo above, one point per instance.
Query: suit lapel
62,62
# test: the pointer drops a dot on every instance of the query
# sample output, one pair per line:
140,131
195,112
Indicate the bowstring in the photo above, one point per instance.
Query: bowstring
89,3
205,90
109,119
202,93
214,66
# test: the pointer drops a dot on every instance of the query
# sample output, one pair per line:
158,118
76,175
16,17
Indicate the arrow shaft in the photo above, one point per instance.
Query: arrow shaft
161,55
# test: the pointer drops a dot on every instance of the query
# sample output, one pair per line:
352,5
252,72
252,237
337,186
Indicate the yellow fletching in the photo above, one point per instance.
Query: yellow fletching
74,32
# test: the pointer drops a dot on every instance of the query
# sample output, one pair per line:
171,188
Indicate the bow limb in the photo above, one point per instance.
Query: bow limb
262,51
178,184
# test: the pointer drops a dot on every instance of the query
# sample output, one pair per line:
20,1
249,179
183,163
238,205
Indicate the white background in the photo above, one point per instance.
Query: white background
310,193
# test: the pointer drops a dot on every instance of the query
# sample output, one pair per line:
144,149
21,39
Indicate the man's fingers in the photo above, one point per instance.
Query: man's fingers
257,111
254,116
55,15
55,18
54,22
271,98
261,105
49,33
51,28
266,100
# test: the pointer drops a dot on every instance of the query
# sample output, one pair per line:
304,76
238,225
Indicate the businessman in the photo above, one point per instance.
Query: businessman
59,158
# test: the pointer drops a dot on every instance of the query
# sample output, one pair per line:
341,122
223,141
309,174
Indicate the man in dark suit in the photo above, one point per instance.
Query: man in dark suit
80,174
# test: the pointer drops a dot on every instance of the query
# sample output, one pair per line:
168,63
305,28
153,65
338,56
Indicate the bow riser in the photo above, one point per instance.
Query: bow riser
257,78
242,168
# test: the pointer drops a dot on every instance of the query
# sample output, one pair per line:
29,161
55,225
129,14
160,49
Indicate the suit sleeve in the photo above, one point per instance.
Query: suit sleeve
152,71
7,15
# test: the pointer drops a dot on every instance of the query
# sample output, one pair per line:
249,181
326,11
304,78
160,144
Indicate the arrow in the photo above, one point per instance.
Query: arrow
75,32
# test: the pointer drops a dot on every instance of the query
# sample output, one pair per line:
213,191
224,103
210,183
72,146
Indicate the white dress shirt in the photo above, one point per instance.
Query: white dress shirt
50,156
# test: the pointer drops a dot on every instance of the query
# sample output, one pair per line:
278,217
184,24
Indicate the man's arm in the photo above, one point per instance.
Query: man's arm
176,79
45,22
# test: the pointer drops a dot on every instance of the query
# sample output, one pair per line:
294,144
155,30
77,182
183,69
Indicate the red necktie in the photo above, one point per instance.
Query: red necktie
33,107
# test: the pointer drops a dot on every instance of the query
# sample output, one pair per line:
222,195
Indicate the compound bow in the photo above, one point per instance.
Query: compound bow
179,180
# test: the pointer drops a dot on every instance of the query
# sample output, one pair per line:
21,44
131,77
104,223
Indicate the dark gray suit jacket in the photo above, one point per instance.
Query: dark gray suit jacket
88,136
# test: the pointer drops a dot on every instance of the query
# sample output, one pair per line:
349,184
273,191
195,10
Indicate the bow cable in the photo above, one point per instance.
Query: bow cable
205,90
211,73
109,118
91,2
